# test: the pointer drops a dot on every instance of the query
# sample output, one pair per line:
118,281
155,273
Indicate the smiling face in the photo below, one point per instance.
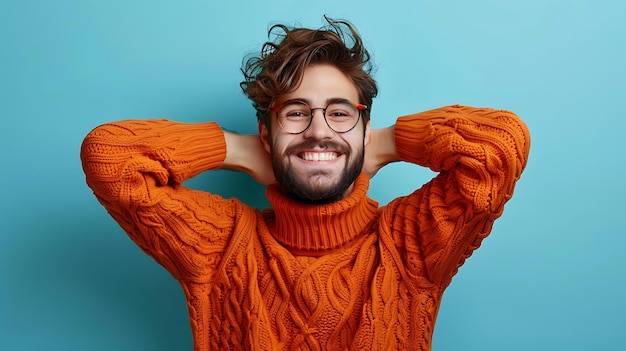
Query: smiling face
317,165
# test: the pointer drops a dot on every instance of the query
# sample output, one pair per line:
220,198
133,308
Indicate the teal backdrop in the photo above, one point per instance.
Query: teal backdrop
550,277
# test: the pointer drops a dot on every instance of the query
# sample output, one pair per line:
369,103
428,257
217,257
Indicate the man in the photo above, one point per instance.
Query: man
325,268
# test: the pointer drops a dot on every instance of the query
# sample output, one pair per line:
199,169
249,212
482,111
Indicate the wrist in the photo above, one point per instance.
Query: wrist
245,153
384,146
237,146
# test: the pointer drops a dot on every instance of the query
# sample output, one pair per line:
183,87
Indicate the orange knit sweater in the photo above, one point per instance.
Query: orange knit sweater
344,276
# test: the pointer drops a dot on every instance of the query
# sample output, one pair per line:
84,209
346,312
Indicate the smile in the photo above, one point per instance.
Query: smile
318,156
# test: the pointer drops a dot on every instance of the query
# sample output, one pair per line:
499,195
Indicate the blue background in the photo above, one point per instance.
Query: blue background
551,276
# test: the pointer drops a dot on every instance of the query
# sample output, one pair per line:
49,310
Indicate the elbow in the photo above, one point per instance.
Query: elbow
512,158
100,161
516,141
118,166
490,178
93,151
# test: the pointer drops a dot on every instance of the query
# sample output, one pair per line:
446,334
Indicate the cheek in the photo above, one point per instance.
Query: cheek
356,140
279,144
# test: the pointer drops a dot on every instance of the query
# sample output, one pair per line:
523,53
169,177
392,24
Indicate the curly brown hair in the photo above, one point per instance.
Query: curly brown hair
280,66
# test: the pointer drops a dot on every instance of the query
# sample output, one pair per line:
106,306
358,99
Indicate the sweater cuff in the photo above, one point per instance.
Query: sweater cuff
202,147
413,132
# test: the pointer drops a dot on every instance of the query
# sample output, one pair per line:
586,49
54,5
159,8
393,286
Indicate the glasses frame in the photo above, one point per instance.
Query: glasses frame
359,107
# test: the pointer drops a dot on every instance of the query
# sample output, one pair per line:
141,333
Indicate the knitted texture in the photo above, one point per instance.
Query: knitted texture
343,276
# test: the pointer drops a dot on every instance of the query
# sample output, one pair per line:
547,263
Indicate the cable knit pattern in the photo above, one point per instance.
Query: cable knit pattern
343,276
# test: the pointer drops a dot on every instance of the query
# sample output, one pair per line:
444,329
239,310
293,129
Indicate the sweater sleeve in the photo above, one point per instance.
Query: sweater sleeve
136,168
479,155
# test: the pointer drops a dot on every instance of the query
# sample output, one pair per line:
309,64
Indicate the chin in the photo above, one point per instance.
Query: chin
317,189
318,186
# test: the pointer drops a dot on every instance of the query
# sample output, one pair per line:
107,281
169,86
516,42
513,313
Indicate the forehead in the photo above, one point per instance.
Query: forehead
321,83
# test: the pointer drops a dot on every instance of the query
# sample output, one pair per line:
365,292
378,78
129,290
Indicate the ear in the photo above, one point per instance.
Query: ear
264,134
367,136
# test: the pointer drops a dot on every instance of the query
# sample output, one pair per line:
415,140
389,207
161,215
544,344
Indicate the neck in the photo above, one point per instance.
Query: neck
317,228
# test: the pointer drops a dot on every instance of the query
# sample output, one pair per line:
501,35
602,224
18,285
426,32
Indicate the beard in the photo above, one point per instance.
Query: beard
317,189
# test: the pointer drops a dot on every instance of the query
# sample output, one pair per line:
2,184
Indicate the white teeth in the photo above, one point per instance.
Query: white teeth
319,156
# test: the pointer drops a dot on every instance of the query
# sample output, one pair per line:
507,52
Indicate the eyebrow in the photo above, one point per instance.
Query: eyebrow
328,101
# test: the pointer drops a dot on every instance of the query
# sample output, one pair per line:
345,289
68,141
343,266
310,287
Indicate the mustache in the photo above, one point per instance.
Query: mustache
324,145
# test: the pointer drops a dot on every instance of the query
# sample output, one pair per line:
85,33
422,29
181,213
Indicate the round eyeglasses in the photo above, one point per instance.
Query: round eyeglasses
295,116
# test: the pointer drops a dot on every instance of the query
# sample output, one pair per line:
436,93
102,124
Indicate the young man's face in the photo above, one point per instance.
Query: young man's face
318,165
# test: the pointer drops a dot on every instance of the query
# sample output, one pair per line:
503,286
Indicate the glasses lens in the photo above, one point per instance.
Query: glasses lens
342,116
294,117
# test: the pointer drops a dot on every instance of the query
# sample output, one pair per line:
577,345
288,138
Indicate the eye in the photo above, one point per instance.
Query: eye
296,114
337,113
340,111
294,110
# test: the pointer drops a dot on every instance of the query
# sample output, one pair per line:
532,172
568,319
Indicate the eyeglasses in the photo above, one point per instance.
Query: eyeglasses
295,116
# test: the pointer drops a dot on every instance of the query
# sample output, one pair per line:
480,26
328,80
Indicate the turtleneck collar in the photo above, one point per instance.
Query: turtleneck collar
312,229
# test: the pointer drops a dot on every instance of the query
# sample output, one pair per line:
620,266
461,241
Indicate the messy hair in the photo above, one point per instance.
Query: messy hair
280,66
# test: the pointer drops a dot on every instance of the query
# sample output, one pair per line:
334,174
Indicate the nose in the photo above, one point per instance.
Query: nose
318,129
